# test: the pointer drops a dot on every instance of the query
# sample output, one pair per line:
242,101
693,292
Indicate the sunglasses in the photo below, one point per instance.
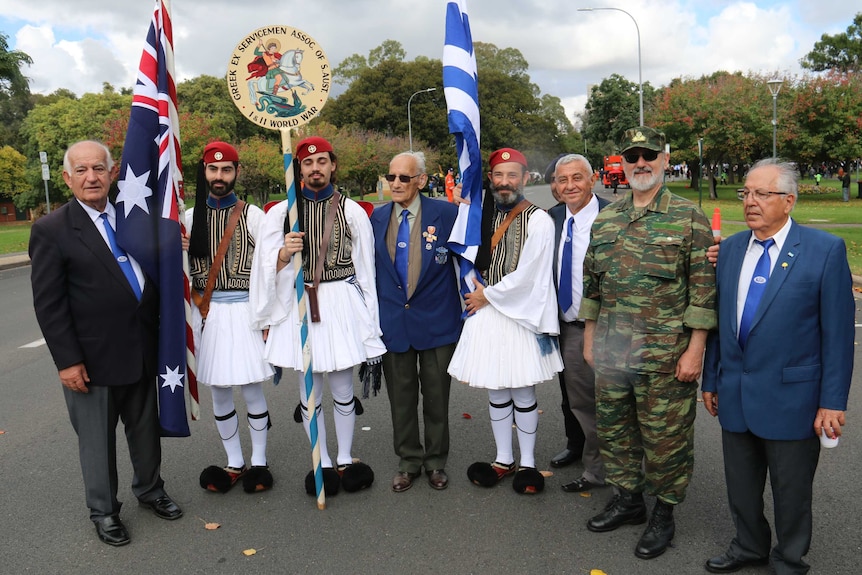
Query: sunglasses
648,155
402,178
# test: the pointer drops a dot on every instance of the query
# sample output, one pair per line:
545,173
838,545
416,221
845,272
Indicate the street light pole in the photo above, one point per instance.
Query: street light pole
640,75
409,121
699,171
774,86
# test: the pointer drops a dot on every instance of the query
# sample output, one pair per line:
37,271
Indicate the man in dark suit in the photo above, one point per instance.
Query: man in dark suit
574,448
420,315
573,177
780,364
99,315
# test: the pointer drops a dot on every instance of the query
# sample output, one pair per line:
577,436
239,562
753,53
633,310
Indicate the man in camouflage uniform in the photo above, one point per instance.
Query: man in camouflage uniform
649,300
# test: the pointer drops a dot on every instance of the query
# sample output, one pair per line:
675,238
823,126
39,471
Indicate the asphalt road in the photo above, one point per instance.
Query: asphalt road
44,527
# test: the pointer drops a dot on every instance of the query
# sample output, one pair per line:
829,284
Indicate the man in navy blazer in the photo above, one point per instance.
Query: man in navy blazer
103,339
790,377
574,180
420,319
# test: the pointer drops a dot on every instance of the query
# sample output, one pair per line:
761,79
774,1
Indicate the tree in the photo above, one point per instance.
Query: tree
824,119
377,101
508,61
14,92
207,97
512,114
842,52
52,127
13,181
730,112
388,51
354,65
261,168
613,107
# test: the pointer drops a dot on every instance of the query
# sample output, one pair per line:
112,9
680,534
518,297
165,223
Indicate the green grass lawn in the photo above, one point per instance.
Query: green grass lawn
14,237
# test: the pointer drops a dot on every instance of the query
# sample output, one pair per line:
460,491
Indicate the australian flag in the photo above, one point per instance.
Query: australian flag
148,215
461,88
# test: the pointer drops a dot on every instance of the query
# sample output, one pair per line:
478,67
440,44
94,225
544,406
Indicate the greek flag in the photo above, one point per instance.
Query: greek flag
461,88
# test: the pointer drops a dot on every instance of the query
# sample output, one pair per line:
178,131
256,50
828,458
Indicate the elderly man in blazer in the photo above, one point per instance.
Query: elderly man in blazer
778,369
420,315
573,177
99,315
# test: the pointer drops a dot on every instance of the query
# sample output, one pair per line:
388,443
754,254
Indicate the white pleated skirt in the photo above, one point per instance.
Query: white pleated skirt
345,336
228,351
495,352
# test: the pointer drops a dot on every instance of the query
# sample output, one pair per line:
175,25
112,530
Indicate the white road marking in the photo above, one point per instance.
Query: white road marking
37,343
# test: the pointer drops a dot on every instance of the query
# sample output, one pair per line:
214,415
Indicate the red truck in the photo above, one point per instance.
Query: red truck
614,176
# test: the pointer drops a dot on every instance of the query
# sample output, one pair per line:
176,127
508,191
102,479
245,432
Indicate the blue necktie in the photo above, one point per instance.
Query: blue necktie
121,256
564,295
402,249
755,290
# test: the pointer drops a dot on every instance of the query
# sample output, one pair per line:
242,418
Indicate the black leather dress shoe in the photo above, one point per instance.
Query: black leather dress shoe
164,507
564,458
438,479
580,484
725,563
112,531
403,481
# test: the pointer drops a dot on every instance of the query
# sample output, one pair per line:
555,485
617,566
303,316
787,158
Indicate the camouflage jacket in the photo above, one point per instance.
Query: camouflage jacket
647,282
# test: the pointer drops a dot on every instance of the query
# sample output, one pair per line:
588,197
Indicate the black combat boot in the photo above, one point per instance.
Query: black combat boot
659,533
624,508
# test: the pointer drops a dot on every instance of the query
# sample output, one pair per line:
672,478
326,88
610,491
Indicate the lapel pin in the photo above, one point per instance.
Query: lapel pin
784,265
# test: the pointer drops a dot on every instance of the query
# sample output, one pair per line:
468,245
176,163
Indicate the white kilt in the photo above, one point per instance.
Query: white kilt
228,351
495,352
345,336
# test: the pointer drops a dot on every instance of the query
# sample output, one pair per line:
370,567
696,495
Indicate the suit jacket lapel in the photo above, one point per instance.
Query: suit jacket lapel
786,260
429,217
93,241
382,224
733,265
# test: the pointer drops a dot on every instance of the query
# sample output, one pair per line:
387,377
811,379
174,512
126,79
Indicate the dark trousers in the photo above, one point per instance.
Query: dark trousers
407,373
791,466
574,434
94,417
580,392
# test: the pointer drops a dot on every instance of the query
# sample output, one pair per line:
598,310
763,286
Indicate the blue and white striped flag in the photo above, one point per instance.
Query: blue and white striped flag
461,87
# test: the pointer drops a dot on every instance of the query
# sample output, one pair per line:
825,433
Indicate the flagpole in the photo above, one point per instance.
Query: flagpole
302,300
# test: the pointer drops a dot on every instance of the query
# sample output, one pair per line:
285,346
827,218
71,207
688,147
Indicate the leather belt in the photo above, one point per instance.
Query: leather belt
576,323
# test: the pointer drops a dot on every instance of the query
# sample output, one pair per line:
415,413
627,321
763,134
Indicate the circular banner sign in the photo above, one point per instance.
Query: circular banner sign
279,77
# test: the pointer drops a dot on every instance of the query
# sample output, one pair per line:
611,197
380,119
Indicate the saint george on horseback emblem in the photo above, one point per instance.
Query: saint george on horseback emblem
286,77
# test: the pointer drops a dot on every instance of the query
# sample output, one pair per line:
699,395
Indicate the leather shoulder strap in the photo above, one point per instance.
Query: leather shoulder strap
218,260
514,213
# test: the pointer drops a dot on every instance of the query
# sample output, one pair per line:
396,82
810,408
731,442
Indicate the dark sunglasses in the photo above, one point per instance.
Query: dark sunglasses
403,179
648,155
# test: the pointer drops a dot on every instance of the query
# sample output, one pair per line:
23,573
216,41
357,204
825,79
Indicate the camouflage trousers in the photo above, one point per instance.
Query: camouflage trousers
645,424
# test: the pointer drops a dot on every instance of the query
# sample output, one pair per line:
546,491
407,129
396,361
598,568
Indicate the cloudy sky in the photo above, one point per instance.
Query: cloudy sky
82,43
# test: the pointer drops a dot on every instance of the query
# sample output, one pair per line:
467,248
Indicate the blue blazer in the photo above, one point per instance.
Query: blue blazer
432,316
799,353
558,213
